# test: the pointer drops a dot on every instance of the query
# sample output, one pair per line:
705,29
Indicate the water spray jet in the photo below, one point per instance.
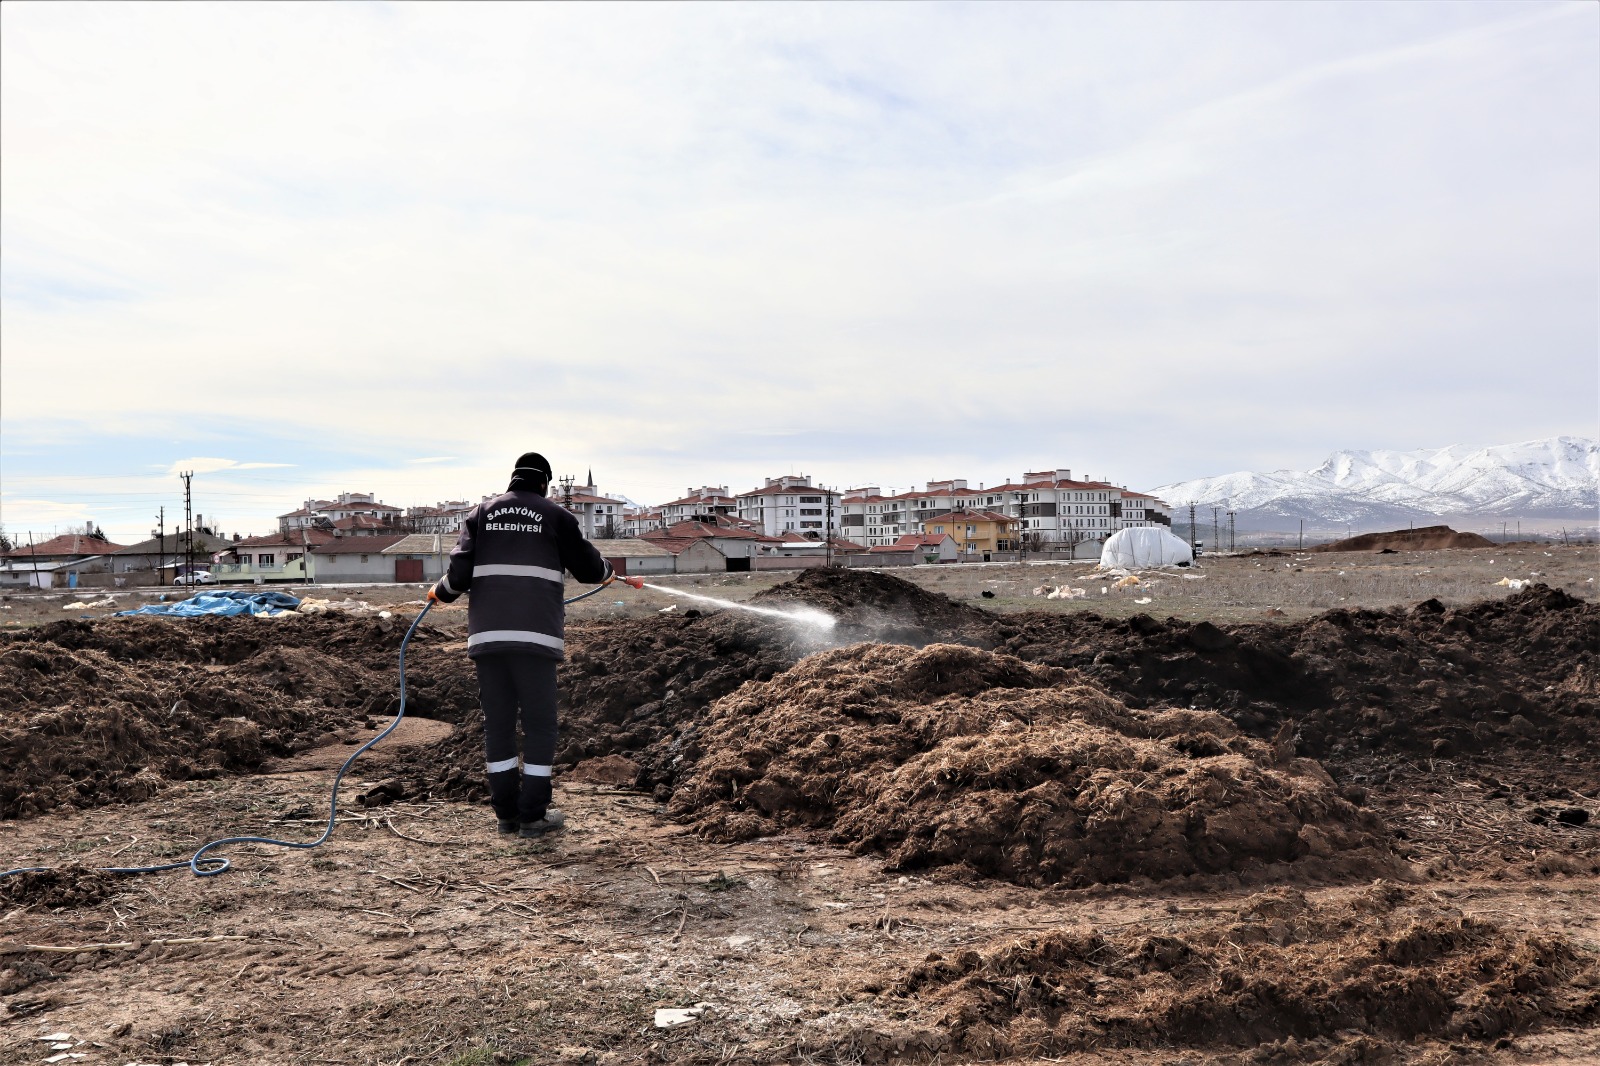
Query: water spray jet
806,616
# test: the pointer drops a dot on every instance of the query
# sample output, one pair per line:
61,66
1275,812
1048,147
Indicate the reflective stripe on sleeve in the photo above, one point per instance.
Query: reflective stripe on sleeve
535,771
448,588
516,636
500,766
508,570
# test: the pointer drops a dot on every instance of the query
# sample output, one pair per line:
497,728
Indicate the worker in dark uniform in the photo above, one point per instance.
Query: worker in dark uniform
510,556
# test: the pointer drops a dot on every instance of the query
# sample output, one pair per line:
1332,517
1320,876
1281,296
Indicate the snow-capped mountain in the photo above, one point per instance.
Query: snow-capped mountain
1558,477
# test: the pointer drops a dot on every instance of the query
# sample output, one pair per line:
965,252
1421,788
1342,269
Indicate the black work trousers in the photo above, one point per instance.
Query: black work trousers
512,687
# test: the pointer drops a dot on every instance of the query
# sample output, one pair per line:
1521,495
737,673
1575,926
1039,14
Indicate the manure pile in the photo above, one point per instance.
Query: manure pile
103,711
1299,981
1430,680
955,756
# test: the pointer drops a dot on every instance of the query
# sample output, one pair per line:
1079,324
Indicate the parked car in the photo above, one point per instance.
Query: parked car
198,577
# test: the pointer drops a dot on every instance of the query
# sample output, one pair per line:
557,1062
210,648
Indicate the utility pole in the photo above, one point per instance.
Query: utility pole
1233,542
188,525
1302,534
35,554
161,541
1216,536
1191,525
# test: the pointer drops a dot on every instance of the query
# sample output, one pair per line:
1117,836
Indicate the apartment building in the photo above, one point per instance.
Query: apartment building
706,500
444,517
876,520
1139,509
789,507
346,507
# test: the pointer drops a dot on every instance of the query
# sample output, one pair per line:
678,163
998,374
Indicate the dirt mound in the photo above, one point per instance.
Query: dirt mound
1328,982
1428,538
104,711
64,886
626,684
952,755
874,606
1430,679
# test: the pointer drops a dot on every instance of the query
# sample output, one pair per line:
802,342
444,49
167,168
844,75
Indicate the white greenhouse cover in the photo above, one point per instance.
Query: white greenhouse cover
1143,548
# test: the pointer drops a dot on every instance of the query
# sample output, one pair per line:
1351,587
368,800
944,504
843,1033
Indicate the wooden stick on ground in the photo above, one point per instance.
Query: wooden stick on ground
13,948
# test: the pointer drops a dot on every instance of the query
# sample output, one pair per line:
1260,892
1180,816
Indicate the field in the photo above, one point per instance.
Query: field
1293,809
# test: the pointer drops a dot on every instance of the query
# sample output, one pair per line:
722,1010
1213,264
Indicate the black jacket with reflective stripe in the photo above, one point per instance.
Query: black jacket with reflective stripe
510,556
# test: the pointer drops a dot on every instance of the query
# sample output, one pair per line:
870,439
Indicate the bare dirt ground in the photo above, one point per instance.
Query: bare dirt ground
1080,831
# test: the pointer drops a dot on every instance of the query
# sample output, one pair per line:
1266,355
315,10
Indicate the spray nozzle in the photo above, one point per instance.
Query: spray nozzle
636,582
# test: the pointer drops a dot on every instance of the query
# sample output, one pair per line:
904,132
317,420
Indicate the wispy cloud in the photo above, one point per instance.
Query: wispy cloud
874,242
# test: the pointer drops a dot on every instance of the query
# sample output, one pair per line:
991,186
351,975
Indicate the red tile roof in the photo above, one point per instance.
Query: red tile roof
66,544
300,538
676,545
358,545
705,531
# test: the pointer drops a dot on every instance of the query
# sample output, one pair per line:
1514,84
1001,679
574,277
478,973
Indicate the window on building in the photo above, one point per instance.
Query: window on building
265,560
292,556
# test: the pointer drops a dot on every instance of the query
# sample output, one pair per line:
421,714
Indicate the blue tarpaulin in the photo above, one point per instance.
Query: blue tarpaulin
223,602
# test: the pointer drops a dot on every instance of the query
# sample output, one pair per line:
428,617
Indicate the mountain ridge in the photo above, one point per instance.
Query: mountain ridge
1551,478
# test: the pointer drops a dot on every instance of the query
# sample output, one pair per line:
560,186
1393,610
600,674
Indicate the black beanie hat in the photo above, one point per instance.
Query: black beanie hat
532,471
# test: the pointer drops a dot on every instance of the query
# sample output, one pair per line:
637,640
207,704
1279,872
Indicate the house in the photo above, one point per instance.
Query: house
68,547
924,547
159,558
346,559
636,557
735,543
58,561
327,513
790,505
697,555
420,556
977,532
276,557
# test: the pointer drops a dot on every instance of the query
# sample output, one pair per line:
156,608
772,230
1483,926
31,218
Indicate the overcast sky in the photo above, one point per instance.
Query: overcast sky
380,247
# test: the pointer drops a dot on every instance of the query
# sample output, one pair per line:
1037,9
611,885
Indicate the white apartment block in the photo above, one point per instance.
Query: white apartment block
444,518
868,517
1050,506
600,517
706,500
790,507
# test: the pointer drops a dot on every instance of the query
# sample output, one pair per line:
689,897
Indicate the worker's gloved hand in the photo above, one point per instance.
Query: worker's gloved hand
433,596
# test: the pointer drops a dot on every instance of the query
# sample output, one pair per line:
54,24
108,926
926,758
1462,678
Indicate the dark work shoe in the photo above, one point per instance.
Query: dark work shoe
509,826
553,821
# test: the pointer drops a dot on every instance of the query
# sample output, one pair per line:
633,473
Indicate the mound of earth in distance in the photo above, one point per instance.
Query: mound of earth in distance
1515,672
1427,538
870,606
951,755
1343,981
